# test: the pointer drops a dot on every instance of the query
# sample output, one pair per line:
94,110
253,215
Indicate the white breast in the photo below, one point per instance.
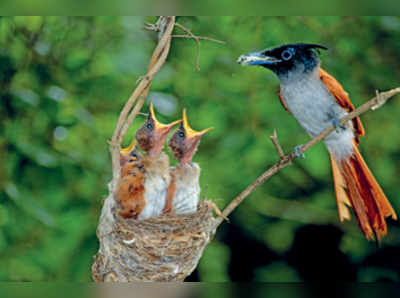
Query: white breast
315,109
155,195
157,180
187,188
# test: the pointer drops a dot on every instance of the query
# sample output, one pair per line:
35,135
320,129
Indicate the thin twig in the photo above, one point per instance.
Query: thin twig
217,211
189,35
379,100
274,139
151,27
199,37
197,41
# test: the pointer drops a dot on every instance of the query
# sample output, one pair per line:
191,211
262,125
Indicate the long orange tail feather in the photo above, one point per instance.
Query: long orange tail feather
356,187
342,199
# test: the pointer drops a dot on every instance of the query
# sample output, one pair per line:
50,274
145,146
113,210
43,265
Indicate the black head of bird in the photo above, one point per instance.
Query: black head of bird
151,135
185,140
285,58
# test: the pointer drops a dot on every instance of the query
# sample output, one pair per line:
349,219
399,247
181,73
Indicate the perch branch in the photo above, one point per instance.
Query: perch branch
380,99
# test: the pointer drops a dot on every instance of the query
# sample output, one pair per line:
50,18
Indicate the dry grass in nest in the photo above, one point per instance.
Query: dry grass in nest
167,248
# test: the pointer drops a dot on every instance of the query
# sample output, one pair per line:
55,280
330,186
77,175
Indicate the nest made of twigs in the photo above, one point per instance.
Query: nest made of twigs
166,248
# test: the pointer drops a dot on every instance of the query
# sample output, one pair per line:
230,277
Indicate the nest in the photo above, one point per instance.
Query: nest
166,248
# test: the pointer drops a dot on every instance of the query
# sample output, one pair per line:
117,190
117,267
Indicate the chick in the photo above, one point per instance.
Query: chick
130,188
150,138
129,153
184,190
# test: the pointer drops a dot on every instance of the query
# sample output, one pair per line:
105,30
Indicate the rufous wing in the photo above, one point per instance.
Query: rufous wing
130,190
283,101
343,100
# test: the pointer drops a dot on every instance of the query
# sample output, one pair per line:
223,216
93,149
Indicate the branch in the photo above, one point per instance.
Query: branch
165,26
197,39
375,103
274,139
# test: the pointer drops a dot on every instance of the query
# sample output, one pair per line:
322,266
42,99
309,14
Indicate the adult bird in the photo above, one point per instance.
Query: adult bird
150,138
184,191
317,100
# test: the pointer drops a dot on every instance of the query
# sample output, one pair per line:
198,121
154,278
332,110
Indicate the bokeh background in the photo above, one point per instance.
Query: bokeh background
64,80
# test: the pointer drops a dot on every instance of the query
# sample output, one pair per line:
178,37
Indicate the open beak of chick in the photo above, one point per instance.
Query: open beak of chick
185,141
129,154
151,136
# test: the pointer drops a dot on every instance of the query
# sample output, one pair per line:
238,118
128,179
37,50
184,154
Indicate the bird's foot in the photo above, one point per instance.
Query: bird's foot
297,151
337,126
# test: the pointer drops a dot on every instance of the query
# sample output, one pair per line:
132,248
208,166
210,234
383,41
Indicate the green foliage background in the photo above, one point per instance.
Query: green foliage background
63,81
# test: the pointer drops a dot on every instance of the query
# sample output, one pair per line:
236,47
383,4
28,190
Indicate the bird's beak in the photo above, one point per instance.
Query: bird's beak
124,153
189,132
129,148
257,58
160,130
192,139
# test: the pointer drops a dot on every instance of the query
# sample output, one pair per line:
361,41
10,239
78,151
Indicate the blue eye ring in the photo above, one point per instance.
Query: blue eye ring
287,54
181,134
149,126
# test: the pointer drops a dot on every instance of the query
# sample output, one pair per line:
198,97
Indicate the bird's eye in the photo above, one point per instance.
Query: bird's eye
149,126
181,134
133,154
286,55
